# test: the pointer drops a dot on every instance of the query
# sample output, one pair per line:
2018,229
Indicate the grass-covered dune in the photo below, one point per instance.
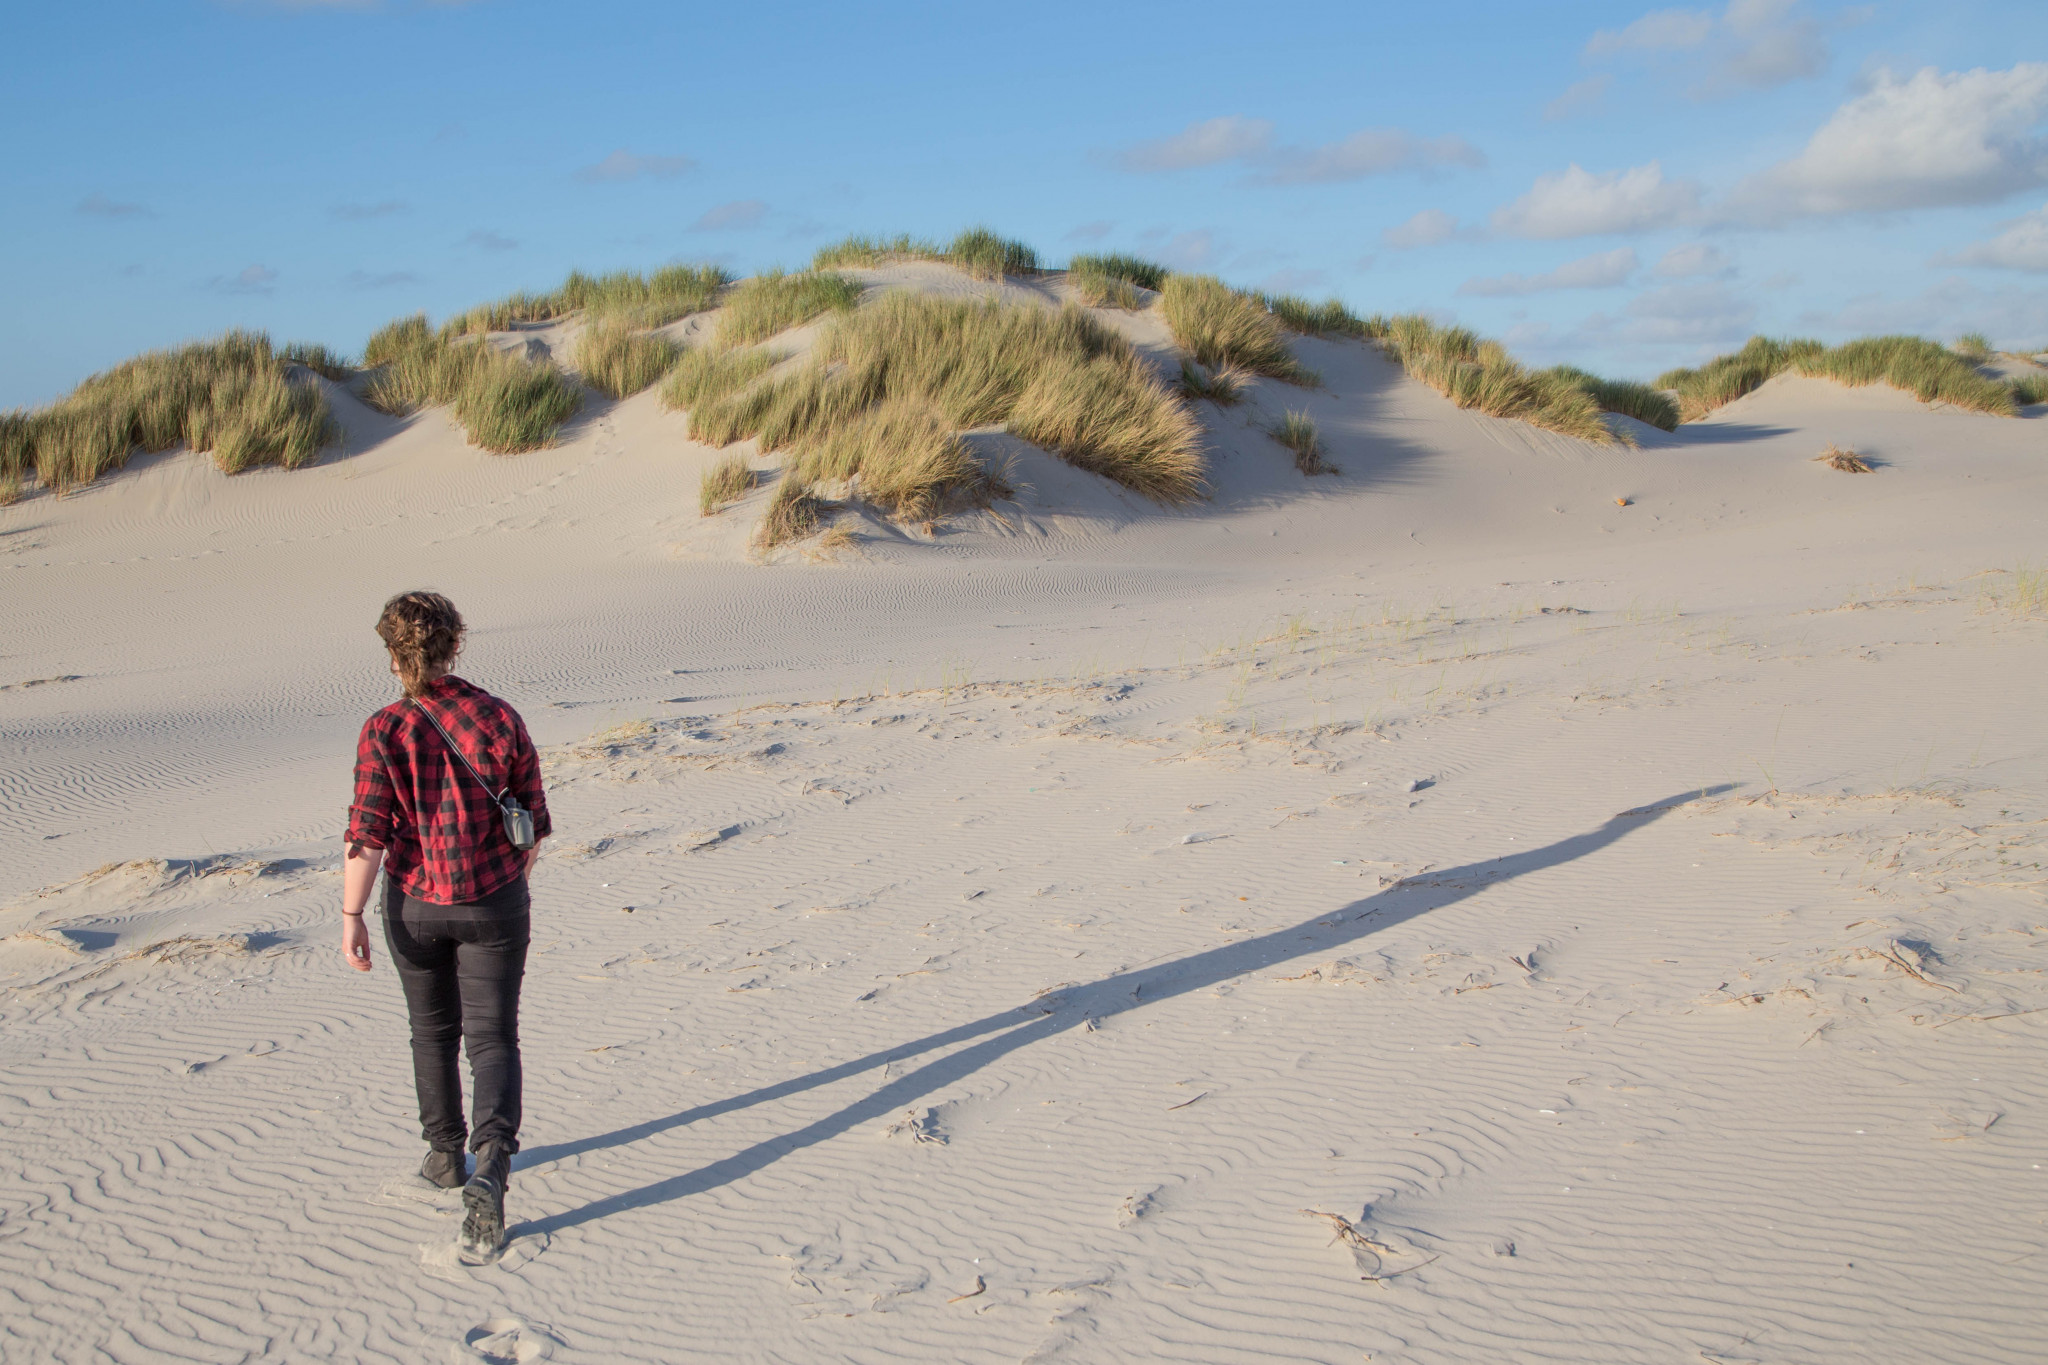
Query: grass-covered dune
896,377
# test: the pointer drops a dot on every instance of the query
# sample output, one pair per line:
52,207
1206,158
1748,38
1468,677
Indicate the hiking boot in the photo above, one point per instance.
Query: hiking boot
483,1202
447,1169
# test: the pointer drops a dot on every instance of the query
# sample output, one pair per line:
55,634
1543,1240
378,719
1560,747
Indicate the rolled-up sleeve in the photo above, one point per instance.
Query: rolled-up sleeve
373,814
525,779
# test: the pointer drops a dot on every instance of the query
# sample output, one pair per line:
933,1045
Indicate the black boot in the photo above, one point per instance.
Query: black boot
446,1169
483,1199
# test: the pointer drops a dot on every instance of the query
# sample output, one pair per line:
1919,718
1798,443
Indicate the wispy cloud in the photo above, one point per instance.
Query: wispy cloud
355,213
1603,270
1948,307
1748,45
1091,232
363,279
1249,142
1292,279
1183,250
483,239
732,217
1690,261
624,165
1426,228
1579,97
254,279
1934,138
99,206
2021,244
1576,202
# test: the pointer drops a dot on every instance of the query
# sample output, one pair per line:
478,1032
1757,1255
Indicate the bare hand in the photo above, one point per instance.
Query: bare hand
355,942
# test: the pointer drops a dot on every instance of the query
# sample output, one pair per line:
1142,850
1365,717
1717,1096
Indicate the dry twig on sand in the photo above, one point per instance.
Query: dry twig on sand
1848,461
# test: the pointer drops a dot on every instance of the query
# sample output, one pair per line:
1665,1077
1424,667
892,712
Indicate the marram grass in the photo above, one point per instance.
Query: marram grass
1116,266
724,484
234,396
706,374
979,251
506,403
793,513
1931,372
775,302
1480,374
618,361
1220,326
1297,431
672,292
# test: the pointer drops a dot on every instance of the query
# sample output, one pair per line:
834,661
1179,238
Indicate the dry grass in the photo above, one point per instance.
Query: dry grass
317,358
1145,274
618,361
1847,461
793,513
706,374
505,403
900,456
1058,379
978,251
2029,389
1297,431
1106,291
2029,595
1330,318
775,302
1930,372
234,396
1224,327
836,540
1625,396
724,484
1974,347
642,300
1224,387
1480,374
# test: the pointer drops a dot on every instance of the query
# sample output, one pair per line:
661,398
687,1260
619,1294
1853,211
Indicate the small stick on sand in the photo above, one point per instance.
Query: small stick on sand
980,1286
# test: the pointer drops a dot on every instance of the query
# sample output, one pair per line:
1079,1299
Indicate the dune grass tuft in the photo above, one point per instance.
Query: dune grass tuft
1847,461
1330,318
793,513
317,358
2029,389
1116,266
1930,372
1481,374
1224,387
1106,291
724,484
982,253
233,396
1974,347
1058,379
618,361
706,374
507,404
1625,396
775,302
1297,431
905,458
1220,326
979,251
672,292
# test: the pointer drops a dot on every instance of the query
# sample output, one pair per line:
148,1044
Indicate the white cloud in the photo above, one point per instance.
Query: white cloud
1691,260
1603,270
624,165
1577,203
254,279
1750,44
1426,228
363,279
1182,250
1660,30
737,215
1578,97
1688,313
2022,244
1249,142
99,206
483,239
1958,137
1373,151
1207,143
1949,307
383,208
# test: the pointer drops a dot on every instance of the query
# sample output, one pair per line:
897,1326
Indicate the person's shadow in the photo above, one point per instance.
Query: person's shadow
1067,1008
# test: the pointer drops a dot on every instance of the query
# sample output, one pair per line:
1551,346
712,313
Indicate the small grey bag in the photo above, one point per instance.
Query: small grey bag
518,819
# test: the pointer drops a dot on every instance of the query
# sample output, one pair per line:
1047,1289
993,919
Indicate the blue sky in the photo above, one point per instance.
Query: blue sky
1612,184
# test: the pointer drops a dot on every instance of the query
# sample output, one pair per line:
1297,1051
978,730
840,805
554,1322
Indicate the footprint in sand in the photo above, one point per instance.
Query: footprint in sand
503,1341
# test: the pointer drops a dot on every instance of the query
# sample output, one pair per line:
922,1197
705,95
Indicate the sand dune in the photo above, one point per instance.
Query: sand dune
1508,900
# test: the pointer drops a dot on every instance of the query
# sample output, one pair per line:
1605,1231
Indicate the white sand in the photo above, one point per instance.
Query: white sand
1035,950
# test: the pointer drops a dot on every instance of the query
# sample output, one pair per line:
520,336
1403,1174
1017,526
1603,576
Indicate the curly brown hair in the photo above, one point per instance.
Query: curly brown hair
423,631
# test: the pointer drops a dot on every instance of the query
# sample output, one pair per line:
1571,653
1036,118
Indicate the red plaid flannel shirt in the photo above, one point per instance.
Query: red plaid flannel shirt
443,838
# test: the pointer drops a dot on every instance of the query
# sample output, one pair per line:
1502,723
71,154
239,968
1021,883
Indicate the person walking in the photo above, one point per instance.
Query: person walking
448,802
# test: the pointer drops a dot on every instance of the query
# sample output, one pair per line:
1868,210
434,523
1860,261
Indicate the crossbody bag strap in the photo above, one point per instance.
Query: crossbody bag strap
497,798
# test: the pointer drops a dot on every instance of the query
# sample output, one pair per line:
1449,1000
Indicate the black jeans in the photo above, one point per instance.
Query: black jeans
461,966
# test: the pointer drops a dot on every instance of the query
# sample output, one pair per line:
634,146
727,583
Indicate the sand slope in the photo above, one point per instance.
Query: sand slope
1430,913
